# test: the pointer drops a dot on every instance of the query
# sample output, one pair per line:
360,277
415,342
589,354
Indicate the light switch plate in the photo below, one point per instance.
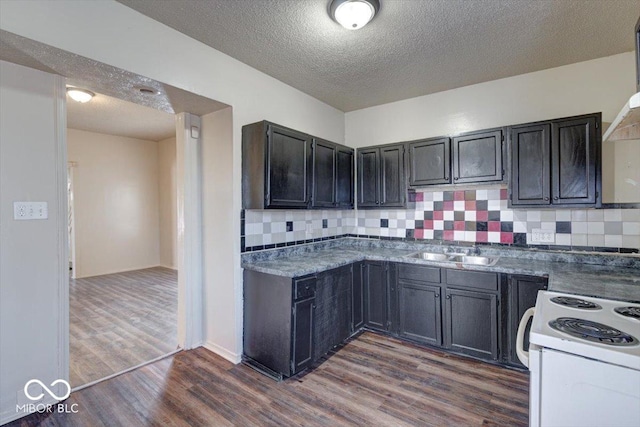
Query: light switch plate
23,211
539,235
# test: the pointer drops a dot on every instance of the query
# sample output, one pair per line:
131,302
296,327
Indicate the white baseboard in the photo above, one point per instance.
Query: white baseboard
234,358
119,271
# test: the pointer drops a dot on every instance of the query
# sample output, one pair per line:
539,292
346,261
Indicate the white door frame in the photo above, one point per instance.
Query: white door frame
189,214
71,216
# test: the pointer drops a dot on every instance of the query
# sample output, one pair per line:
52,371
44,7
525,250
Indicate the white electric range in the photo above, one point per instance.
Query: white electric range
584,359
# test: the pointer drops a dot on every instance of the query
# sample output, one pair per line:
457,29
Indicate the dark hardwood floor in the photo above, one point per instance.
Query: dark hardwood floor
118,321
372,381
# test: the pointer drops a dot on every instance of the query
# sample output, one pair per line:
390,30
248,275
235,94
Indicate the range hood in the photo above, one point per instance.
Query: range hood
627,124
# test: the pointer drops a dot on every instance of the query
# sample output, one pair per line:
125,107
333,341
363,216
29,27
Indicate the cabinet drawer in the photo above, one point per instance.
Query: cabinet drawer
305,288
419,273
473,279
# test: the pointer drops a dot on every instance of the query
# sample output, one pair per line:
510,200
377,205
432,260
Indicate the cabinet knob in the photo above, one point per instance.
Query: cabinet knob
437,295
448,297
555,198
455,179
313,306
546,199
377,202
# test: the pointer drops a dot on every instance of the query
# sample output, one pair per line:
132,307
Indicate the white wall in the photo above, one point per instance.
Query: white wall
603,84
146,47
217,165
115,202
32,343
168,203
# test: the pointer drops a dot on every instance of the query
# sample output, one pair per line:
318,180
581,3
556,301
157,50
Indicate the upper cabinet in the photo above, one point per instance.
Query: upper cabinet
557,163
381,177
286,169
429,162
477,157
332,175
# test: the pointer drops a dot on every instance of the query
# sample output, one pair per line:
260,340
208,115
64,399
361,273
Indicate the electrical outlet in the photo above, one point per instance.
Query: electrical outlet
30,210
539,235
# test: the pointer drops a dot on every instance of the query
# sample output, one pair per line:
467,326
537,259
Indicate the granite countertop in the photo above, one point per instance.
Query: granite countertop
589,274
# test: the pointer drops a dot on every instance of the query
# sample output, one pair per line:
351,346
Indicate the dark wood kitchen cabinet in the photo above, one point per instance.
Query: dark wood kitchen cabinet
521,294
377,298
357,296
276,165
557,163
332,175
333,309
279,322
286,169
419,304
429,162
381,177
477,157
471,317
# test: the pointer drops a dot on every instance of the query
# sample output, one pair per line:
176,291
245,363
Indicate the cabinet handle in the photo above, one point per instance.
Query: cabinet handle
377,202
313,306
437,295
555,198
455,179
546,199
448,297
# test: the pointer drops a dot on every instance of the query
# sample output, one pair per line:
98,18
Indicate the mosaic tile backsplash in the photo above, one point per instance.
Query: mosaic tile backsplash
477,216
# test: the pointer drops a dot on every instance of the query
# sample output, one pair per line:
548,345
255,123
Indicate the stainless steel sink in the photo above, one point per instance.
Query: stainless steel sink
457,258
475,260
428,256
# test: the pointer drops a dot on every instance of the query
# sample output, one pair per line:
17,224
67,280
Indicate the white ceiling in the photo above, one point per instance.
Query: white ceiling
113,116
119,108
412,48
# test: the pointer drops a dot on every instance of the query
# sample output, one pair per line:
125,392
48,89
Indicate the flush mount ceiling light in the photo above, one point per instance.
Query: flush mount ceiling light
353,14
80,95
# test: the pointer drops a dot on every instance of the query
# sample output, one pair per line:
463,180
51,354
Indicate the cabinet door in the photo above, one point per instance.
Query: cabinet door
288,161
324,174
429,162
522,292
393,187
419,312
357,297
575,156
333,309
376,296
368,178
344,179
302,340
530,165
477,157
471,323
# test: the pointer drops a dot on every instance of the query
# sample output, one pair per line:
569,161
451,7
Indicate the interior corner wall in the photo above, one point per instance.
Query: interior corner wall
167,199
115,202
217,228
30,298
603,84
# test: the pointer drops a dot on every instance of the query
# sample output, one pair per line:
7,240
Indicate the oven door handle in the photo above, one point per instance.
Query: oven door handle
522,354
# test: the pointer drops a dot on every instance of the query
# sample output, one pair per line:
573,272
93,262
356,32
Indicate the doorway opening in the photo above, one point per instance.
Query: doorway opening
122,222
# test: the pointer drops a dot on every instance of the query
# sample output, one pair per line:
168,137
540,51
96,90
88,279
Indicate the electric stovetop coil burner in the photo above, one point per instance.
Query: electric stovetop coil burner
592,331
633,312
576,303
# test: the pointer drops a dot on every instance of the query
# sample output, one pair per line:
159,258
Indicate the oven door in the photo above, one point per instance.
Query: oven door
576,391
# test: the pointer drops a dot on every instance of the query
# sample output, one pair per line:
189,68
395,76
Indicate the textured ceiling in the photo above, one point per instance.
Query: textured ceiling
411,48
108,112
113,116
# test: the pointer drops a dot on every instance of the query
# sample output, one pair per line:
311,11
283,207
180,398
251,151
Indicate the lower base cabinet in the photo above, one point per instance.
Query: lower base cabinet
291,323
471,323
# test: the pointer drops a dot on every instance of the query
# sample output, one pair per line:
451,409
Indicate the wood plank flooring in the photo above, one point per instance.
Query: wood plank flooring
118,321
372,381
